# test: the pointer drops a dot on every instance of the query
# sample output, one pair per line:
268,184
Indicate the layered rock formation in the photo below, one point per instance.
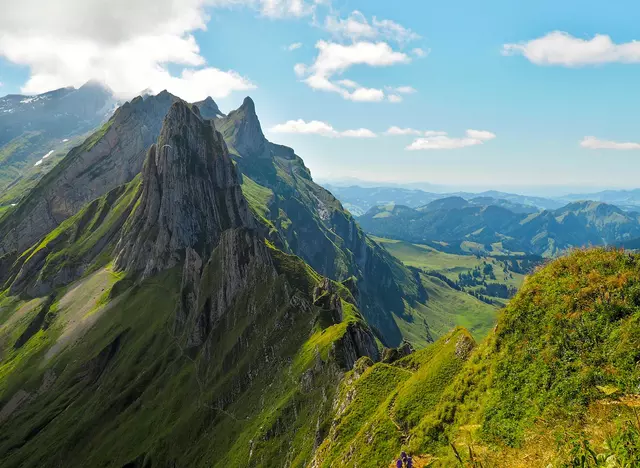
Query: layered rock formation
190,195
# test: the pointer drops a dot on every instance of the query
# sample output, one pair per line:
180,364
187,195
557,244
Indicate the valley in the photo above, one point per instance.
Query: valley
177,290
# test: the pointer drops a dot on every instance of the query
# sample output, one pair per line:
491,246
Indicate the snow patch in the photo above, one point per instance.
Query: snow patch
43,158
65,140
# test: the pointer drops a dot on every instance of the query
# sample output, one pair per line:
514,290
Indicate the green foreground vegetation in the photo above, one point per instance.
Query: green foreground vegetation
555,385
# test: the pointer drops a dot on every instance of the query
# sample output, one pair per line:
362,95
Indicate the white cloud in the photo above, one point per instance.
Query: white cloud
394,98
398,131
348,84
294,46
365,95
300,69
402,131
316,127
129,45
406,90
356,27
441,141
480,134
418,52
591,142
334,59
402,89
561,48
359,133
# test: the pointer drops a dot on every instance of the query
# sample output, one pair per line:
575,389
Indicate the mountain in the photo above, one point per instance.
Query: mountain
628,200
455,221
297,215
555,384
202,302
178,335
360,199
35,130
208,108
108,158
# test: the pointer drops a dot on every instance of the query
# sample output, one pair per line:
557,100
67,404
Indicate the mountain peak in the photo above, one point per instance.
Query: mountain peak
248,105
190,195
208,108
244,130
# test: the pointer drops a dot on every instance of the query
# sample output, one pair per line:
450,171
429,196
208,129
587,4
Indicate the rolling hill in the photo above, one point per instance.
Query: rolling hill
454,221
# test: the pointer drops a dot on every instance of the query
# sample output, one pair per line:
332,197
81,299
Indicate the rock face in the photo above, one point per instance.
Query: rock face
109,158
248,138
209,109
190,195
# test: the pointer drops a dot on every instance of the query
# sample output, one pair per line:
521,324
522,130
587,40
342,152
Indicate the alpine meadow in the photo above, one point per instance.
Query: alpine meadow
442,273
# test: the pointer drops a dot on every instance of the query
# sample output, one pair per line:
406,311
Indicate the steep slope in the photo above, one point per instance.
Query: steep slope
378,405
556,383
108,158
32,128
307,220
201,345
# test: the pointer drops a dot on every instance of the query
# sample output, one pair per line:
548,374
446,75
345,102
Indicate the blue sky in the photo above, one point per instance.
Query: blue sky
531,106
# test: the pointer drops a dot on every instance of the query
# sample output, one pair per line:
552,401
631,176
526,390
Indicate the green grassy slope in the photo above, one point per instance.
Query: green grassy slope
378,405
556,383
77,246
94,375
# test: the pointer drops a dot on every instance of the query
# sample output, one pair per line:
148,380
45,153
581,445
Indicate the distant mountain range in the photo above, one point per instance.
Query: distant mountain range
626,199
492,224
359,200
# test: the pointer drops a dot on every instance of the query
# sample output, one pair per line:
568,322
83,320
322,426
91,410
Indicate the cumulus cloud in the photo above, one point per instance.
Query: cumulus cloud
294,46
591,142
334,59
356,27
316,127
127,44
395,98
441,141
561,48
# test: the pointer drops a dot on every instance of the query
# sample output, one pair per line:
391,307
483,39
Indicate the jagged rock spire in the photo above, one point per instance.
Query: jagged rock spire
247,136
190,195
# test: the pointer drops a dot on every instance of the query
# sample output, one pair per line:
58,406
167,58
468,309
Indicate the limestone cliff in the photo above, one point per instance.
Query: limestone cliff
190,195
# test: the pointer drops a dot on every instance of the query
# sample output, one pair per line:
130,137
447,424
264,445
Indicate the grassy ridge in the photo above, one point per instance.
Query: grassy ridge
378,405
556,384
